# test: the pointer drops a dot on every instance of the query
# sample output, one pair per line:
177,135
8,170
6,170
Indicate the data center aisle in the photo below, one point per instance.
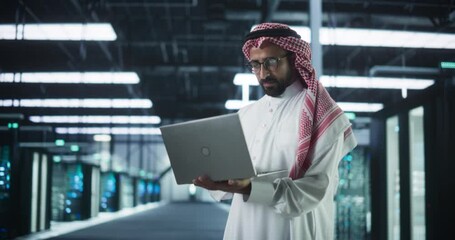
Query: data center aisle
173,221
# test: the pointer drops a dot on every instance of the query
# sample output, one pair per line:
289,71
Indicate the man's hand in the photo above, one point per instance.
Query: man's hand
242,186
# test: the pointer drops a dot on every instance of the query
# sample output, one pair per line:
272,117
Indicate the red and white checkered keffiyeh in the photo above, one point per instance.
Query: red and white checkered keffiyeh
319,112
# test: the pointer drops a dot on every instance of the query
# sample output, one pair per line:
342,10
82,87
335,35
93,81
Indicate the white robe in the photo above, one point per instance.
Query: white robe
278,207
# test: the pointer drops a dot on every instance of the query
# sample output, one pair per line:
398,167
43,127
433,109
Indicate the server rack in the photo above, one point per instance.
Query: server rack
75,191
25,197
35,186
92,196
110,196
153,190
5,186
353,196
35,183
126,191
140,193
438,104
58,190
117,191
9,169
26,207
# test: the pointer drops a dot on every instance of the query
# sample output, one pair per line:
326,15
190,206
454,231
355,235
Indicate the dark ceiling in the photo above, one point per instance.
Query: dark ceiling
187,52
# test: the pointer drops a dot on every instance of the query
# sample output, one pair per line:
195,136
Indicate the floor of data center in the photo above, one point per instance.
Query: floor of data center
171,221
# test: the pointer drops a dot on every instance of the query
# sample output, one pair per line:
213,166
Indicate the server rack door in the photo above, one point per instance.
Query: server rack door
5,190
393,180
109,192
417,168
95,195
353,196
90,199
74,192
126,191
43,193
27,206
139,191
10,188
58,191
34,192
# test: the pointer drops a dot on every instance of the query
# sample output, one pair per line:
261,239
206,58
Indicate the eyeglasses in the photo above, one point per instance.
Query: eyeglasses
270,64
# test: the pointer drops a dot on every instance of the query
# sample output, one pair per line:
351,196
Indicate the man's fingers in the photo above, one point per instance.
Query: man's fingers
233,182
231,185
205,182
236,182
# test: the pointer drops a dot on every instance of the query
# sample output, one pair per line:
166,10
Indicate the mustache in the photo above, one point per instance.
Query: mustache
268,80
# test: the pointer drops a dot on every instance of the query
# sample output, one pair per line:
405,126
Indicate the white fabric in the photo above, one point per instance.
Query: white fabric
279,207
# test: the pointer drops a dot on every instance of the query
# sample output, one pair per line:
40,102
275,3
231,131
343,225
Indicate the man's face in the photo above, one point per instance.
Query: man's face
273,80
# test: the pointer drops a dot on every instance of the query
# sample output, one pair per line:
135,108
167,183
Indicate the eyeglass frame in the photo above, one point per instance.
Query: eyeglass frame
278,59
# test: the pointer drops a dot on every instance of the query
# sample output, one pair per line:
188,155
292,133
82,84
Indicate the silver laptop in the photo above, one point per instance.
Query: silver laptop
213,146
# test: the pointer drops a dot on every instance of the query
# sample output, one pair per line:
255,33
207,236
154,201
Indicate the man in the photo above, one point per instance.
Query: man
295,127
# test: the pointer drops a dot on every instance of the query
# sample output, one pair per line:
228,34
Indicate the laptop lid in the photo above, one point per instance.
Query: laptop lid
214,146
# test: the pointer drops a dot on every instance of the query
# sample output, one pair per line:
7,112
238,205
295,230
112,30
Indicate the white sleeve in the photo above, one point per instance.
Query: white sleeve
220,195
294,197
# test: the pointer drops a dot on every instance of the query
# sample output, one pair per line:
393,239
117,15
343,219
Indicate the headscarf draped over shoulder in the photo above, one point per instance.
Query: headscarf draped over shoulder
320,115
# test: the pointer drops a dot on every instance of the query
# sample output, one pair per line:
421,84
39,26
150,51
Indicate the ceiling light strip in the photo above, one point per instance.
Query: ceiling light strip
360,107
93,119
375,82
102,138
58,32
108,131
386,38
351,82
77,103
71,77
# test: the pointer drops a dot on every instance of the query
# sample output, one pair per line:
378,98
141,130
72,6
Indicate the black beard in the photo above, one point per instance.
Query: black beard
276,89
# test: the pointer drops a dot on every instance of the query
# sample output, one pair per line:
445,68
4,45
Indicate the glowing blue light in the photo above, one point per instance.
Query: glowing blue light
2,169
141,188
448,65
60,142
67,210
156,189
68,202
2,174
57,159
150,188
74,148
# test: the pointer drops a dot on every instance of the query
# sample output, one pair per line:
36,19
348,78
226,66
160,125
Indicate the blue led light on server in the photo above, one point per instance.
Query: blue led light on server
5,172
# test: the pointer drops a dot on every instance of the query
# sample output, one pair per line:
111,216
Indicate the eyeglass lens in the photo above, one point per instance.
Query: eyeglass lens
269,64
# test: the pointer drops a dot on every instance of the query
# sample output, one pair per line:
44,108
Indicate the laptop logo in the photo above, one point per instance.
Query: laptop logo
205,151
